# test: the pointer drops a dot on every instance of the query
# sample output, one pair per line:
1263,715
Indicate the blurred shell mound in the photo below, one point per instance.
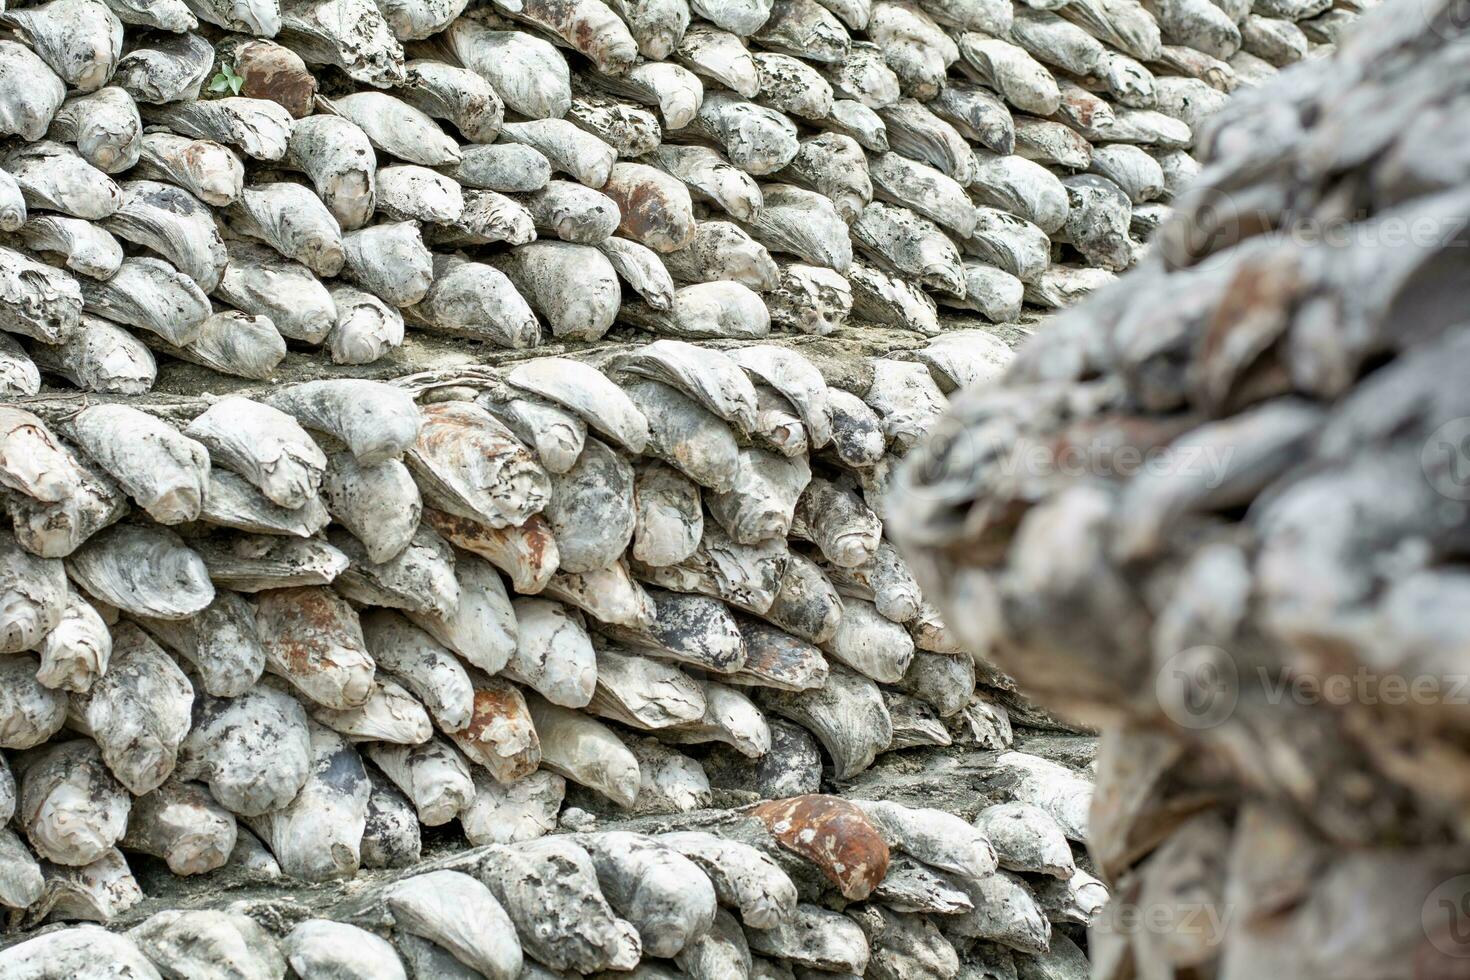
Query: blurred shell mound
1218,510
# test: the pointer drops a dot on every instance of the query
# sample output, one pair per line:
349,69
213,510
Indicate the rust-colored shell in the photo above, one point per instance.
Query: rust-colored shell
273,72
528,554
832,834
500,735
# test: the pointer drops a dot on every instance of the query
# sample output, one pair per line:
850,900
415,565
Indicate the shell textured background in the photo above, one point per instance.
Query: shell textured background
429,422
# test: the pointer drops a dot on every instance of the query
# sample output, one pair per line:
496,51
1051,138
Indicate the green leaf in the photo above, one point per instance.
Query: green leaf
225,80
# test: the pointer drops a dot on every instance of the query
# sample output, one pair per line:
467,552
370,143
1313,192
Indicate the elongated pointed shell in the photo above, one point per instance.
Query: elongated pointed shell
470,465
591,509
459,914
34,594
87,249
173,223
148,571
318,835
482,627
379,503
313,639
171,69
138,712
103,358
377,421
643,693
36,300
655,207
555,435
263,282
31,94
70,808
846,715
554,654
543,270
264,445
77,650
528,553
397,128
55,528
528,72
834,835
253,751
471,299
338,157
586,392
256,562
220,643
293,221
508,813
151,294
195,941
422,666
420,577
390,261
321,946
163,470
585,751
549,888
21,882
259,128
32,461
433,776
390,714
180,823
502,736
664,894
105,127
457,94
30,713
350,34
743,877
18,373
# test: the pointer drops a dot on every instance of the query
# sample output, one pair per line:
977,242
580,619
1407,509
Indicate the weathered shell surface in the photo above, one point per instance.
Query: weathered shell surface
414,421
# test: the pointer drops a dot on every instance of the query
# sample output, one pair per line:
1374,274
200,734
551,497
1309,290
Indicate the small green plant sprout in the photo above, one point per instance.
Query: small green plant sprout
225,80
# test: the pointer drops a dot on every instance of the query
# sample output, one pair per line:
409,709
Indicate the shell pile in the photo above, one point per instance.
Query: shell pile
218,180
257,609
1267,619
283,633
811,886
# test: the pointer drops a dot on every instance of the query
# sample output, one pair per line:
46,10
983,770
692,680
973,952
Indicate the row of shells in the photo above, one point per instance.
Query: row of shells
1268,618
285,633
221,181
899,889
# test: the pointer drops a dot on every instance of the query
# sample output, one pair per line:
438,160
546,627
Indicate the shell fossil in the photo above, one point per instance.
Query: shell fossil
491,418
